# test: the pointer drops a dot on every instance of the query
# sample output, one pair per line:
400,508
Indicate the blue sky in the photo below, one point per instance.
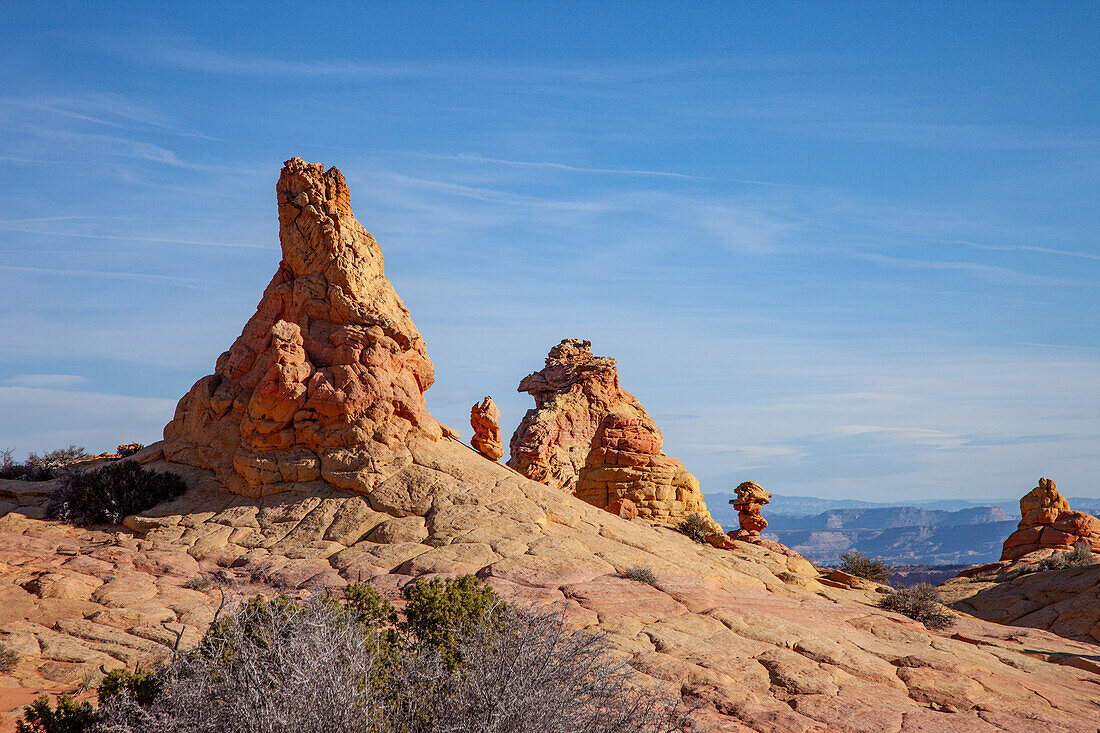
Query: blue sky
842,250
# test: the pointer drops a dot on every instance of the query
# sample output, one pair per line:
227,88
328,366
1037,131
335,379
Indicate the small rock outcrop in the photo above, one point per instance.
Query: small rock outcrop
1047,525
751,498
485,420
326,382
590,437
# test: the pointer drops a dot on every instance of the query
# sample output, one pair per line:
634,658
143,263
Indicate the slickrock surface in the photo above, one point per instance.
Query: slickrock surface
1015,591
485,420
590,437
326,382
755,637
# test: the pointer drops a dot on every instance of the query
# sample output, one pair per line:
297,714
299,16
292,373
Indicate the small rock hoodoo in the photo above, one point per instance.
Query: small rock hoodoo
485,420
590,437
326,382
751,498
1048,525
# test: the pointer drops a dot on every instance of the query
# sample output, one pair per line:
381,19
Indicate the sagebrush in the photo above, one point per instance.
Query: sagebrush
696,526
106,494
919,602
462,662
856,563
1080,556
639,574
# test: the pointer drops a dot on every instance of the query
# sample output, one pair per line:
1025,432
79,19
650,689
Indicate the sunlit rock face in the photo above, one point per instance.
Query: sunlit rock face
326,382
1047,525
590,437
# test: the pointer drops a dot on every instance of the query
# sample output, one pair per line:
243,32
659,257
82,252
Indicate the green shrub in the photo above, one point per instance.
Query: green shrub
106,494
8,658
440,611
68,717
696,526
920,602
142,685
856,563
639,574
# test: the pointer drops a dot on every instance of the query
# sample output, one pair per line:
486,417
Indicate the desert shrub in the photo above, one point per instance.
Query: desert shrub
8,658
9,469
438,612
69,716
59,458
639,574
696,526
856,563
1080,556
919,602
271,666
200,583
106,494
141,685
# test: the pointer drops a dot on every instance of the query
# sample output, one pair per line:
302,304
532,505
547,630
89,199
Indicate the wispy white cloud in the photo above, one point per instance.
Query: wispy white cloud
1031,248
48,380
981,269
551,165
185,282
27,226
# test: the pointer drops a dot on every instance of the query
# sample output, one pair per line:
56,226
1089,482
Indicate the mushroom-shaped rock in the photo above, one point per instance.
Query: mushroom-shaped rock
485,420
326,381
751,498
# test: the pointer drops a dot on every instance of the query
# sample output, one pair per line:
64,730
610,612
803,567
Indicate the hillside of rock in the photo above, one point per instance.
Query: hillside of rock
311,462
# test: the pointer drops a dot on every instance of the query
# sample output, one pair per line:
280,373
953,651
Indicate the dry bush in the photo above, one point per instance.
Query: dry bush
639,574
1080,556
696,526
106,494
920,602
8,658
322,665
856,563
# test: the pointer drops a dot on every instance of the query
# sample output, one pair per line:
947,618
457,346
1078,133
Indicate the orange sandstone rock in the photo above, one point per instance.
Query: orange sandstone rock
327,380
485,420
751,498
590,437
1047,525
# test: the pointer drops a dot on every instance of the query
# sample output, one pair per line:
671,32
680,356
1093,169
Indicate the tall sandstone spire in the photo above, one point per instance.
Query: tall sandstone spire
327,380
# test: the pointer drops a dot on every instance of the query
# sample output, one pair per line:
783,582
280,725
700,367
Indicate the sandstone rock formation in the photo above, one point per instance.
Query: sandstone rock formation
485,420
590,437
751,498
751,638
326,381
1047,525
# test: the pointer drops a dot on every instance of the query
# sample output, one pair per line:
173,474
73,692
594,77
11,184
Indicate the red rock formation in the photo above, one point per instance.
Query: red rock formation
589,436
751,498
326,381
1047,525
485,420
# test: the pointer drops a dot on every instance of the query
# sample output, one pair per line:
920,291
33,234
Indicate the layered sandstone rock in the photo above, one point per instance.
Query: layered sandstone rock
326,381
751,498
1047,525
590,437
485,420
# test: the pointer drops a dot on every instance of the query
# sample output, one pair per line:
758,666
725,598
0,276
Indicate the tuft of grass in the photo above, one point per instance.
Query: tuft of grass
639,574
920,602
856,563
696,526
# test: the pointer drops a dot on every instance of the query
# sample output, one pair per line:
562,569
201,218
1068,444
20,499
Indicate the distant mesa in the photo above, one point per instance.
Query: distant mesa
485,420
590,437
1047,525
326,382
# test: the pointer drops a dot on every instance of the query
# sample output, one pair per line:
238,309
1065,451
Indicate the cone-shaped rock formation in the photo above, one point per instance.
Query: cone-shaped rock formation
1048,525
589,436
327,380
